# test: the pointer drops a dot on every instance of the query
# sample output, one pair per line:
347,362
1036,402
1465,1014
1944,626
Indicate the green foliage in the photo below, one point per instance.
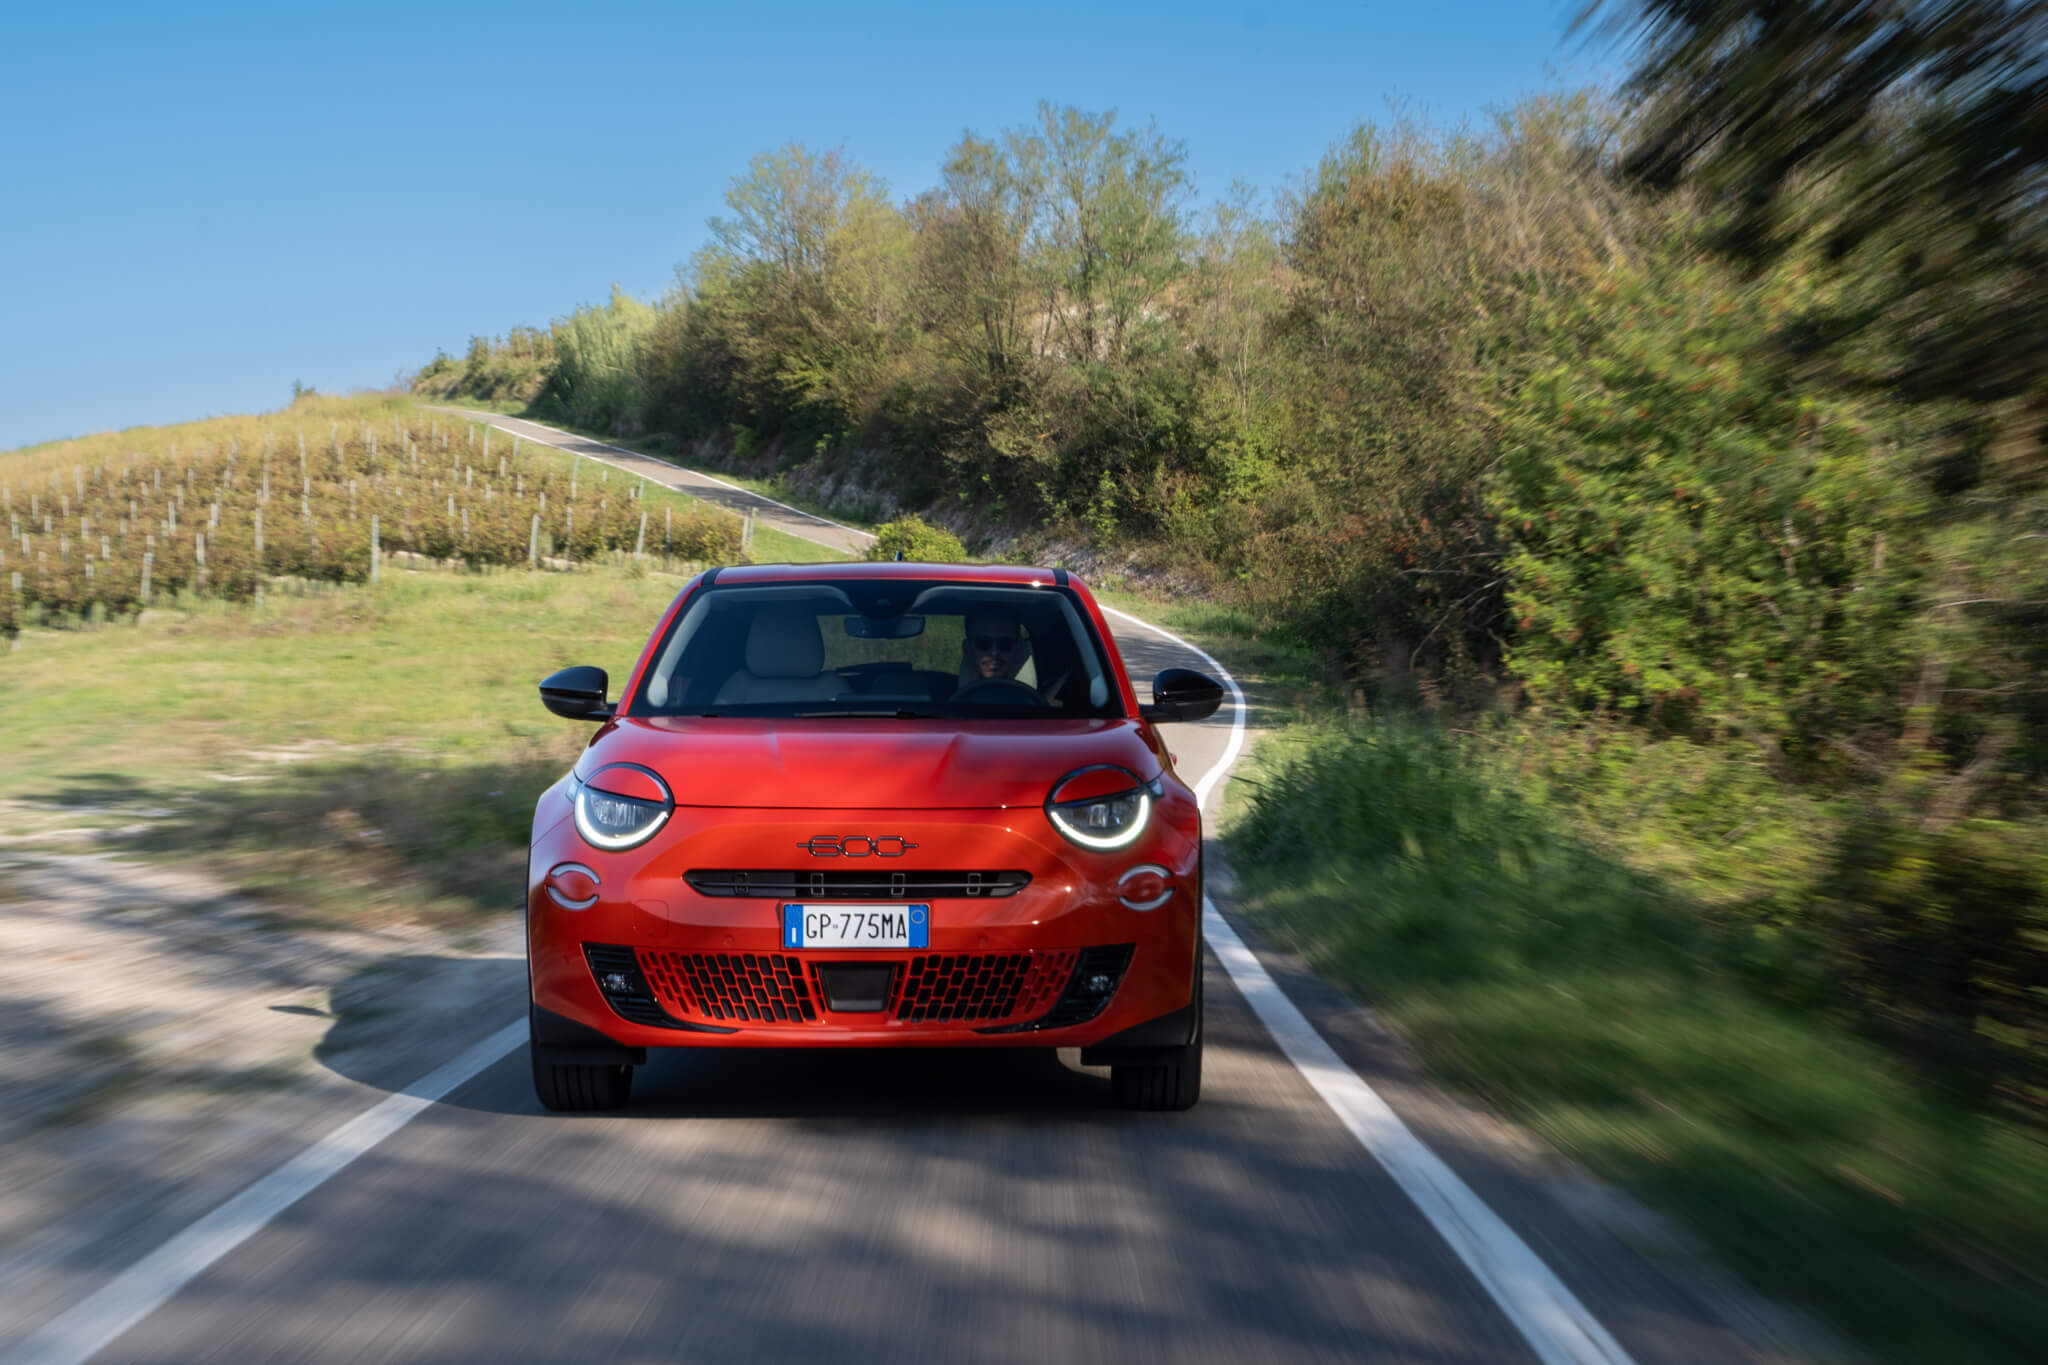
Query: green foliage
1475,890
1905,138
1699,539
910,538
1941,937
492,371
596,381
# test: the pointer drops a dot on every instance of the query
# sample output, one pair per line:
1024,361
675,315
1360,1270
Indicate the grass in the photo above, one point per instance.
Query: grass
1593,996
780,547
346,749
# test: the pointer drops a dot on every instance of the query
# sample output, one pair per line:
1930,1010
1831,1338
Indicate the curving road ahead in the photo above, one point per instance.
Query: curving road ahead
942,1206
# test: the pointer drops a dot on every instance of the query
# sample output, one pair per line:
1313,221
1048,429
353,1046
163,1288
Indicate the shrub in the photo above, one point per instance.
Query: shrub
912,538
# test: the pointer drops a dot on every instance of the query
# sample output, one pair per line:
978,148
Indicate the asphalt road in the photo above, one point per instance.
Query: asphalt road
941,1206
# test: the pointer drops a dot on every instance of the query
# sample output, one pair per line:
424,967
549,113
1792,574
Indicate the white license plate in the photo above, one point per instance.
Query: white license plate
893,925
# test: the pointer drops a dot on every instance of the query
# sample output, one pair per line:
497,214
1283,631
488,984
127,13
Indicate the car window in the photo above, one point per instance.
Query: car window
893,647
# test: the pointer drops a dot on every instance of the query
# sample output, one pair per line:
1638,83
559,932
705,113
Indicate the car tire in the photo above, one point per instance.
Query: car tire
574,1086
577,1086
1169,1079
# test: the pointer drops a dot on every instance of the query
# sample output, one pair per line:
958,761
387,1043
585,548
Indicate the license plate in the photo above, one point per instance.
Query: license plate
856,926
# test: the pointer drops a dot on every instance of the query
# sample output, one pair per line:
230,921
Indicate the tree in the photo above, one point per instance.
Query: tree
810,267
1908,140
971,288
1108,241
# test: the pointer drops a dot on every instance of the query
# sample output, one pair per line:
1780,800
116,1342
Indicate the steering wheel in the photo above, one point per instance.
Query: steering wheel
999,690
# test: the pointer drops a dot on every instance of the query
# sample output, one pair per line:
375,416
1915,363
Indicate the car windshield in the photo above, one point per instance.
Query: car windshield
888,648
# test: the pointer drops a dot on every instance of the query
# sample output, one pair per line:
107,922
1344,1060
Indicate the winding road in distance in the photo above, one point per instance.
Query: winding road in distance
1321,1203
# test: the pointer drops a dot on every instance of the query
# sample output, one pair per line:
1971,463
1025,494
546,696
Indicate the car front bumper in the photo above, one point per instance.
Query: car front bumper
653,963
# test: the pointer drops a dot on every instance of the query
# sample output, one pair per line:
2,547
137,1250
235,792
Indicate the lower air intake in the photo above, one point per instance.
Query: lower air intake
759,988
970,987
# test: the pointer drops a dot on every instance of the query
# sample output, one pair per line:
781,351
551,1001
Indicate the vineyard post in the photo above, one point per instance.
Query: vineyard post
199,554
373,549
533,544
569,537
259,556
640,545
148,562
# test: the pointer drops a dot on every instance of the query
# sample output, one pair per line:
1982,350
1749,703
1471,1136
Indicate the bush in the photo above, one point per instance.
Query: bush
912,538
1700,540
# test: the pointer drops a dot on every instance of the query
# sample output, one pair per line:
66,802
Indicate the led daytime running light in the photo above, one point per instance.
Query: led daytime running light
1063,813
588,794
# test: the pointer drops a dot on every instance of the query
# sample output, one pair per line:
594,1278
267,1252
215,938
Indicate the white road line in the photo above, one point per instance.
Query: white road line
94,1322
492,420
1549,1316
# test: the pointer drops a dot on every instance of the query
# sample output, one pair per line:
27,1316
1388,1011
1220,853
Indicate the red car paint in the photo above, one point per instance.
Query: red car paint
836,795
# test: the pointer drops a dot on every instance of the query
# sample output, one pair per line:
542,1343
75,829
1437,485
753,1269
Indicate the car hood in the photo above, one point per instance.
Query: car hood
865,764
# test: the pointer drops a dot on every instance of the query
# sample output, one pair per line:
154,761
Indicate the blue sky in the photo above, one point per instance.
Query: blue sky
200,208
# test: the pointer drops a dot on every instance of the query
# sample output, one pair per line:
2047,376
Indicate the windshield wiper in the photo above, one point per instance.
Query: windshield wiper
868,715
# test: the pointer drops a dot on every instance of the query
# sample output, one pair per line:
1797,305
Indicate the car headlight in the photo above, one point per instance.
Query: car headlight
621,806
1103,806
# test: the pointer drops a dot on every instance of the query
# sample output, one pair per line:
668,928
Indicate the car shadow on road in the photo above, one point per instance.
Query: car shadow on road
397,1019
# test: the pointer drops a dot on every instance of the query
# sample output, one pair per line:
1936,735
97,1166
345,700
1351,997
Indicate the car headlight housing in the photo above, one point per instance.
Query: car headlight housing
1102,806
621,806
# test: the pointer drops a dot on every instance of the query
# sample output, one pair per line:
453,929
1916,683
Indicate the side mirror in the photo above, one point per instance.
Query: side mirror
1183,694
577,693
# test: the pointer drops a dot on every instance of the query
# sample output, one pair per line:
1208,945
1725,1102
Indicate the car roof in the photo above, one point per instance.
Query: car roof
1017,574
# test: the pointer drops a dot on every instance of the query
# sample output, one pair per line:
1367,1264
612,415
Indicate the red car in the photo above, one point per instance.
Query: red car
870,805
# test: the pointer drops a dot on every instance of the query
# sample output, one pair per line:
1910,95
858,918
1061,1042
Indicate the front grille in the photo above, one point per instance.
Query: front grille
943,988
761,988
867,883
664,987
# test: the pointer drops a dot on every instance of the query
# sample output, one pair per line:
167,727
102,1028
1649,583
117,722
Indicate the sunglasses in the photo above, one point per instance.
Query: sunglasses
995,644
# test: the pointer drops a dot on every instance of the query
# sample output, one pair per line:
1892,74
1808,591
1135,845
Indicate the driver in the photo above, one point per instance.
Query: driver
995,646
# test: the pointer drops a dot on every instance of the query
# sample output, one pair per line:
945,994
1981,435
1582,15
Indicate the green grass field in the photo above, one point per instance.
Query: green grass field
345,749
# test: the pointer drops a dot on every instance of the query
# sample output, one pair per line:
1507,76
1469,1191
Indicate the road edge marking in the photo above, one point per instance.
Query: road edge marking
101,1317
1558,1327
